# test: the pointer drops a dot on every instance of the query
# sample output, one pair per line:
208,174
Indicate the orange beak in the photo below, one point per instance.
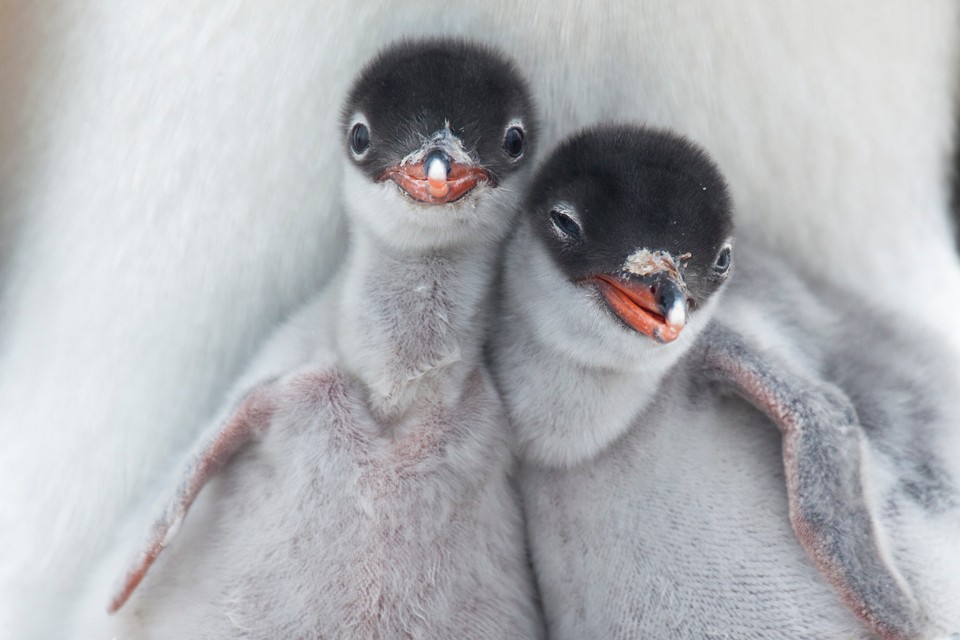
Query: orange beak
654,305
436,180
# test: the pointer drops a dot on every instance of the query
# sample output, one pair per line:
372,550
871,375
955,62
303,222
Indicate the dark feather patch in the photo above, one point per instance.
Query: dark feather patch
634,187
412,89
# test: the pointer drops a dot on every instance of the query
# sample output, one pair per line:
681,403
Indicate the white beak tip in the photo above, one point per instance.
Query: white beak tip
436,170
677,316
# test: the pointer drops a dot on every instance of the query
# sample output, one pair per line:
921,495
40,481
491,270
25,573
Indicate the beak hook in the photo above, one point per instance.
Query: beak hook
437,166
672,303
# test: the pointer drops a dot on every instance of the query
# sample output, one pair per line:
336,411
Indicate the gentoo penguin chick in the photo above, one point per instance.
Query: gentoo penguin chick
608,333
363,485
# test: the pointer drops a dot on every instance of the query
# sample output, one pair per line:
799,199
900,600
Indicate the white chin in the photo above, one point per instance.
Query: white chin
576,321
383,209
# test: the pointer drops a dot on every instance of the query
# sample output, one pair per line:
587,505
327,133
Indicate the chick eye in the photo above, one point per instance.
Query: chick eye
513,142
724,260
566,227
359,138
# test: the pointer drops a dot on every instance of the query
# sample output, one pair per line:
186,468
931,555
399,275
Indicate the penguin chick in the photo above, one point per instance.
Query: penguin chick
370,496
626,238
609,319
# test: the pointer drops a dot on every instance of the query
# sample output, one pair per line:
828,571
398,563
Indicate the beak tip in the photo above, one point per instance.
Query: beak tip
677,316
437,178
436,171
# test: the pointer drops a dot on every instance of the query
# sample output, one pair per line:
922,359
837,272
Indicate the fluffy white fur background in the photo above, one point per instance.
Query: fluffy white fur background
169,190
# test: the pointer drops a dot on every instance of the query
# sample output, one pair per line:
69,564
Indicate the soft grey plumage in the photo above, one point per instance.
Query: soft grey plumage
660,504
362,463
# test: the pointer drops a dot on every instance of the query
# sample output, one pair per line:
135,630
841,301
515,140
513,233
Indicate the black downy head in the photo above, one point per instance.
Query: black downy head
643,216
438,117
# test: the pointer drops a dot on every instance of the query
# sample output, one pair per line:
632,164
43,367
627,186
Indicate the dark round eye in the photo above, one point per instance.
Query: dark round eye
359,138
723,260
513,142
566,225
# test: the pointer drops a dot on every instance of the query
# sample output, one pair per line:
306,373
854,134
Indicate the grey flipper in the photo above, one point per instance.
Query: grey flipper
823,445
221,442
